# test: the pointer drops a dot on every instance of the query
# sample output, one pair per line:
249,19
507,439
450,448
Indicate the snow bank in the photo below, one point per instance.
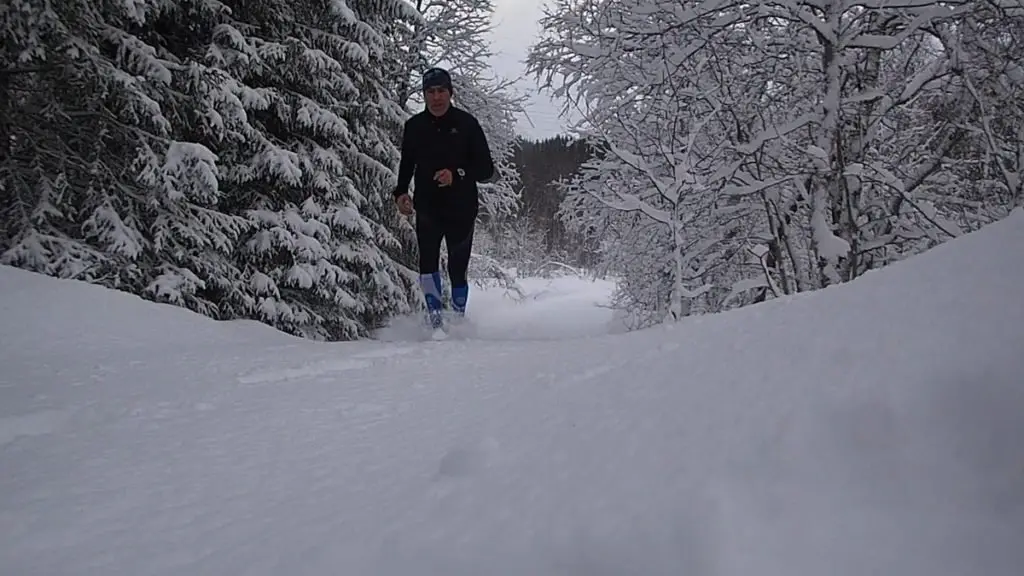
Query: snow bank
871,428
43,314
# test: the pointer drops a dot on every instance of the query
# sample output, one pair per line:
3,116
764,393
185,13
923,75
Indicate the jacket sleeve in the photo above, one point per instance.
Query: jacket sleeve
407,165
481,165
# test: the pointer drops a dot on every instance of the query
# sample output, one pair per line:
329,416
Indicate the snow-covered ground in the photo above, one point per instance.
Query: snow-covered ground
560,308
871,428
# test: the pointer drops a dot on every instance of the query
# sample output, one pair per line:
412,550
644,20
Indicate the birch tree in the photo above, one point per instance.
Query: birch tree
655,110
854,126
989,48
849,133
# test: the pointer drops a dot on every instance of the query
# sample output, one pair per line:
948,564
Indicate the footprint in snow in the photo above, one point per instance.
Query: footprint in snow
467,460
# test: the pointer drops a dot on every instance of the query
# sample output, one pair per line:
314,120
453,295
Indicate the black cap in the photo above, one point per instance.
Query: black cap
437,77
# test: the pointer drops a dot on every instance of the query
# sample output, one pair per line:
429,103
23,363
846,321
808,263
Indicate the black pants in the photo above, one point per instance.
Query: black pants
458,236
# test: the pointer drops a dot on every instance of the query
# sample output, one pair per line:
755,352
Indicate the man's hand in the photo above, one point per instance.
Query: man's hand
444,177
404,204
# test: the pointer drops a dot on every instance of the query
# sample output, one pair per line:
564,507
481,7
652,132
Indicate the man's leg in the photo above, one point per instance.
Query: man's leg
460,246
428,237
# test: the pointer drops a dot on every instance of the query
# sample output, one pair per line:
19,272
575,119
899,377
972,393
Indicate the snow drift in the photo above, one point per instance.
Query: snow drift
870,428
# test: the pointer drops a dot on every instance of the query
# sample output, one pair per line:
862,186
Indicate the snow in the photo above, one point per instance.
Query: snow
829,246
559,308
869,428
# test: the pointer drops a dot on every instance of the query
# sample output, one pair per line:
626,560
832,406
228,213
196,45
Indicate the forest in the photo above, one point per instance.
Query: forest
237,158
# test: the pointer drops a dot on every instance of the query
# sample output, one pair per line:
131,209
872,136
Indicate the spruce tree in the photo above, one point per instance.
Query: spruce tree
312,175
94,183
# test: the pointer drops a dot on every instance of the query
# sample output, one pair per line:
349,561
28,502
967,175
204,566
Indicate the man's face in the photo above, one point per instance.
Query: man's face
438,100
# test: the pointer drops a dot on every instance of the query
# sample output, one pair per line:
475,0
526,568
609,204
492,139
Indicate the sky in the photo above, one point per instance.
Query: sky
516,27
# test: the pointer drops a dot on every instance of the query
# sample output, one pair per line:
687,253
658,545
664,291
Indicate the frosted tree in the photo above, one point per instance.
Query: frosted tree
989,156
311,176
97,179
656,113
849,144
843,126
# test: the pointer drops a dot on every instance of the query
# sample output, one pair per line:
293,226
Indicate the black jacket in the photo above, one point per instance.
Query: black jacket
454,141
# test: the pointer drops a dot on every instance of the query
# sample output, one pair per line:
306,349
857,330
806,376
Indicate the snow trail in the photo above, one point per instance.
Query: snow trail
867,428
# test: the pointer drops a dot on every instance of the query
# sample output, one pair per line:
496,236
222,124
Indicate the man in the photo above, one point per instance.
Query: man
445,152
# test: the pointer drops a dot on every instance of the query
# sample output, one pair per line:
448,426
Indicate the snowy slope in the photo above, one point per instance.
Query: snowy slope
871,428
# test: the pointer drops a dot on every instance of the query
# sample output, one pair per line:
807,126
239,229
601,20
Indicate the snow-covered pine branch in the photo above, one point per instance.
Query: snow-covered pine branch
232,157
312,176
105,174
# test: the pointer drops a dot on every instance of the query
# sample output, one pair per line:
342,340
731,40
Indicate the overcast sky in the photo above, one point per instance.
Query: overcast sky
516,27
